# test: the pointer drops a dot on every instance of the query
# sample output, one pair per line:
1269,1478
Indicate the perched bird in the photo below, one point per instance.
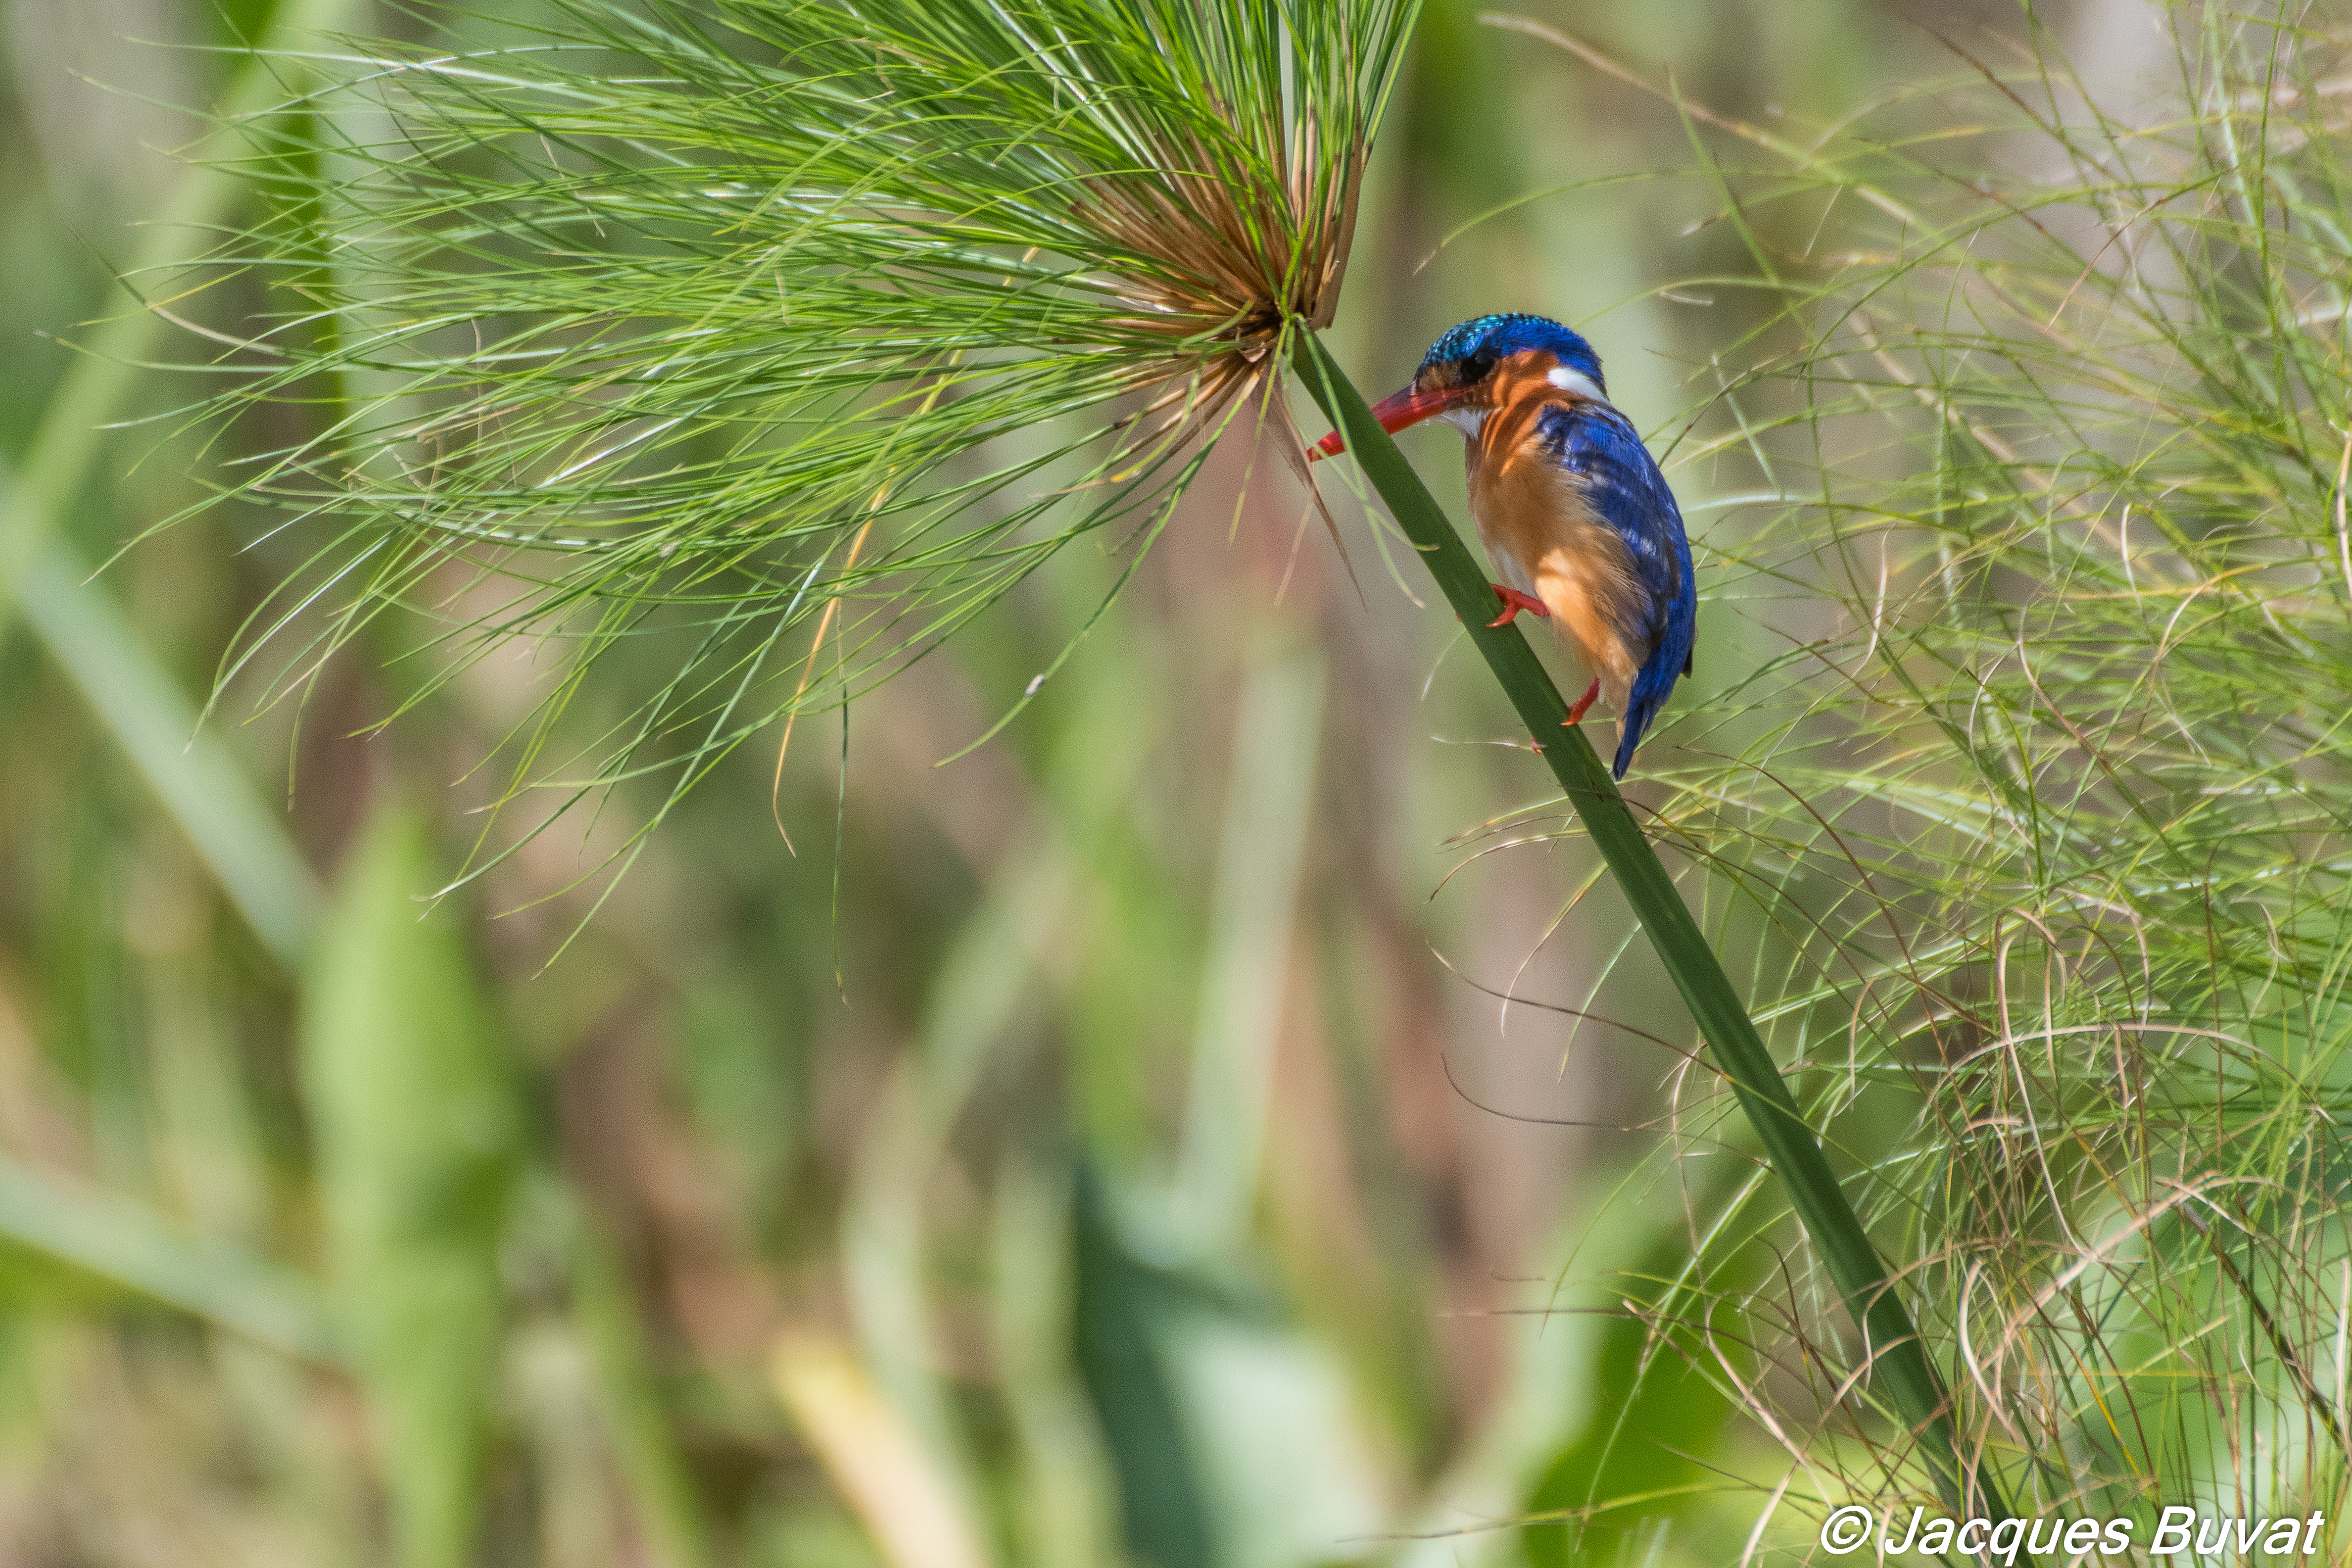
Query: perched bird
1570,504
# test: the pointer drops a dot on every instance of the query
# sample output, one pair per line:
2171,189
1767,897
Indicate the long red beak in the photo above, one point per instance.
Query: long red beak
1407,407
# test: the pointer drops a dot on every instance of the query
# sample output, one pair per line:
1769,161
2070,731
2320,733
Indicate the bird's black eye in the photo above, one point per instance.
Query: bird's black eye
1477,365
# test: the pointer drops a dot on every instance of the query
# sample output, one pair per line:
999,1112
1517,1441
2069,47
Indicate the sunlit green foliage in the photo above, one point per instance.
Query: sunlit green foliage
413,1104
736,327
2052,811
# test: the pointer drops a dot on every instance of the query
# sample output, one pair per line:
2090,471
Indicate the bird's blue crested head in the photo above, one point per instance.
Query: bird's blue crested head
1466,354
1457,380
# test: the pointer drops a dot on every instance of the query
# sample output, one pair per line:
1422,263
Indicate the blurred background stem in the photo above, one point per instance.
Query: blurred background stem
49,581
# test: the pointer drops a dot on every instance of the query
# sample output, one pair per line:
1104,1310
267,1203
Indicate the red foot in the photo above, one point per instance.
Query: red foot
1514,602
1576,709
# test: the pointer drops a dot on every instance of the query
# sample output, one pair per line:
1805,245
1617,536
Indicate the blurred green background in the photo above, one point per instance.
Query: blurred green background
1105,1147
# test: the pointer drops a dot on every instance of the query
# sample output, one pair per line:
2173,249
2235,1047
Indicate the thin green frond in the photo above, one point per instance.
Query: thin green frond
2050,814
721,327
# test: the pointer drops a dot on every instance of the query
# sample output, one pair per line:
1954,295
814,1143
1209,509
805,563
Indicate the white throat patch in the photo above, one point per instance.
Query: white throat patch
1576,383
1468,421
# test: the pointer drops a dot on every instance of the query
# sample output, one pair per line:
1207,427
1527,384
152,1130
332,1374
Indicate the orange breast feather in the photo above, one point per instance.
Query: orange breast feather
1545,538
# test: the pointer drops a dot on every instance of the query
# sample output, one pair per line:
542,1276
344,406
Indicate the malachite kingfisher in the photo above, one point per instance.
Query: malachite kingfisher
1569,504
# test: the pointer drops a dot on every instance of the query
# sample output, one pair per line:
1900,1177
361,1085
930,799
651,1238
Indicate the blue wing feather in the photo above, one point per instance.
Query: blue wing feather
1600,448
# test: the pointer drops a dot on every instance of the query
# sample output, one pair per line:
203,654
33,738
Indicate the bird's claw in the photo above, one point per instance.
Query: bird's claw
1576,709
1514,602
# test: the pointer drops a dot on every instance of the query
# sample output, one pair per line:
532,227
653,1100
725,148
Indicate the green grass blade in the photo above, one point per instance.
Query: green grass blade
193,774
130,1245
415,1122
236,836
93,390
1896,1358
1061,1501
1117,1305
644,1445
1269,809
